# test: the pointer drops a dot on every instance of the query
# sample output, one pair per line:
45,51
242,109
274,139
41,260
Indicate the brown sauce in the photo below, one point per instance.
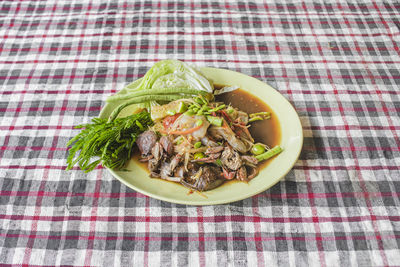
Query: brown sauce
267,131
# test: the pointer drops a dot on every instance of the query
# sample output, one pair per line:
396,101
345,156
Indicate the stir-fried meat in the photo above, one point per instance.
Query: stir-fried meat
252,173
146,141
153,165
167,144
206,141
242,174
231,159
157,151
175,161
180,171
165,170
146,159
249,160
206,178
227,134
205,165
213,150
227,174
211,158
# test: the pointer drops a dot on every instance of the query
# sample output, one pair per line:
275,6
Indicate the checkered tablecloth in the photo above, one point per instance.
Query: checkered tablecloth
337,62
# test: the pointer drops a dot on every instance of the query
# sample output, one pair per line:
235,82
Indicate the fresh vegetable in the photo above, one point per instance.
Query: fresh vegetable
199,155
258,149
171,112
163,75
217,121
199,122
109,143
182,107
168,121
270,153
259,116
197,145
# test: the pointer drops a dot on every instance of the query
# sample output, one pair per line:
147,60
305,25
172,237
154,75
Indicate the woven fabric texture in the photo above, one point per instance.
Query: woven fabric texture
337,62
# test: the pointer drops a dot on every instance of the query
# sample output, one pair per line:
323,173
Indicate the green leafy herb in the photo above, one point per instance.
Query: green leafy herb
109,143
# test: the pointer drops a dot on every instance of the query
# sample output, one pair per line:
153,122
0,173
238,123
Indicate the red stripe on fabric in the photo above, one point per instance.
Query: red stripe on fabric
93,218
262,195
204,33
153,60
196,219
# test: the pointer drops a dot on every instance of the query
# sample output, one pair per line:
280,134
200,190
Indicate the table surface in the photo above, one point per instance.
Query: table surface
336,62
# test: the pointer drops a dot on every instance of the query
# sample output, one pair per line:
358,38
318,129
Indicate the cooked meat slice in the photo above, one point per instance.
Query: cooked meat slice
192,169
206,141
227,134
157,151
211,158
242,174
227,174
231,159
146,159
180,172
175,161
212,150
165,170
206,178
167,144
166,173
249,159
252,172
153,165
146,141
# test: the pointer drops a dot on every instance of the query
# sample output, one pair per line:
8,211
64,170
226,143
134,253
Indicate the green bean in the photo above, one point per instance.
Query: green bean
199,155
189,113
197,145
218,108
163,91
217,121
258,149
269,154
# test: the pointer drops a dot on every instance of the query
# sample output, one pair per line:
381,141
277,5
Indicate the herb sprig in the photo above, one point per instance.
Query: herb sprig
107,142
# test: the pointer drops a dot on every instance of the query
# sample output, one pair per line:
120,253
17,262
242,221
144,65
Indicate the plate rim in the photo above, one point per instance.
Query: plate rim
232,199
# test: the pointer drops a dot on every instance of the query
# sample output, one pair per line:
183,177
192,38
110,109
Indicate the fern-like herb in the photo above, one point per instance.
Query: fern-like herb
107,142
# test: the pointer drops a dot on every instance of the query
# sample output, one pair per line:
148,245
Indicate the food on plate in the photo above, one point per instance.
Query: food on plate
183,130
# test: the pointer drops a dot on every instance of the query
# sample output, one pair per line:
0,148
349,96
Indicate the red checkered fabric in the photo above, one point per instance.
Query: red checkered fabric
337,62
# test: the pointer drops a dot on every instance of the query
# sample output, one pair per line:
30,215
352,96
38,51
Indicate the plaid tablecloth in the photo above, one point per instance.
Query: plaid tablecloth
338,63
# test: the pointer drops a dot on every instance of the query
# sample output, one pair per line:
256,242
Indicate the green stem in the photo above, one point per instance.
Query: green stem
269,154
162,91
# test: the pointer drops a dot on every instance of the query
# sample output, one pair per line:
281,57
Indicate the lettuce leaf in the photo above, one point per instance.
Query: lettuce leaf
166,74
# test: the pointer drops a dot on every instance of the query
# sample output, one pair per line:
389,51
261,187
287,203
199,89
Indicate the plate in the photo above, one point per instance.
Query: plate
291,141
